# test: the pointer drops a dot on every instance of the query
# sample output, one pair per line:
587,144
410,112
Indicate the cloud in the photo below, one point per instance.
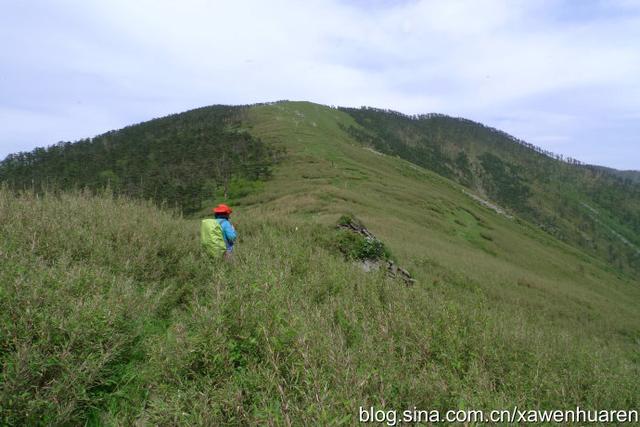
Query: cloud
79,66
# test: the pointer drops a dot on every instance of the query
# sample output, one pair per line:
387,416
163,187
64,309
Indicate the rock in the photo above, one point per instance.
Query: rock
368,265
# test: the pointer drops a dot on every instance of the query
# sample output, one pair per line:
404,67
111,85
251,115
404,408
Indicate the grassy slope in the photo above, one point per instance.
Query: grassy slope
581,205
424,218
108,314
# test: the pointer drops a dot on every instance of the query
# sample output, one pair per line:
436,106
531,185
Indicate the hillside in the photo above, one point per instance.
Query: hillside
182,160
594,208
109,314
190,159
631,175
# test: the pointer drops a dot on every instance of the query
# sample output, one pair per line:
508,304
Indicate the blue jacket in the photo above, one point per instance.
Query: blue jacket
228,232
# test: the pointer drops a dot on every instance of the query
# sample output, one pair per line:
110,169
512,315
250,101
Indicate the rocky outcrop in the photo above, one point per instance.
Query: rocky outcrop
373,260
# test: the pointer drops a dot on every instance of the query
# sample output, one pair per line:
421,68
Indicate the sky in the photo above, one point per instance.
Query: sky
563,75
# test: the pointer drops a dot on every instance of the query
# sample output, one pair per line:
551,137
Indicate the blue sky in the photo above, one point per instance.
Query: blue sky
564,75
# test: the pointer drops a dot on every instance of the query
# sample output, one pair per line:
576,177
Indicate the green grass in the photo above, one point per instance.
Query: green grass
110,315
545,191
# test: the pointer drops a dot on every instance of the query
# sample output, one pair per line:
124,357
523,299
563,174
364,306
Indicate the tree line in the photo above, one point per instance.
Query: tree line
545,188
536,149
179,160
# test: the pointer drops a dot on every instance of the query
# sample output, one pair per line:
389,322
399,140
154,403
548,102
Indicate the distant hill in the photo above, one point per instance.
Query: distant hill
111,315
182,160
595,208
631,175
188,160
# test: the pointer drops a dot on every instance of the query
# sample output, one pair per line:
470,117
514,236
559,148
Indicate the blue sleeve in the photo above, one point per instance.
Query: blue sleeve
229,232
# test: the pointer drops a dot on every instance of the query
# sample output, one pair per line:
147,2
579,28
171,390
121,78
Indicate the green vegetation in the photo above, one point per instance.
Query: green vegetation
355,244
183,160
110,315
504,183
548,190
631,175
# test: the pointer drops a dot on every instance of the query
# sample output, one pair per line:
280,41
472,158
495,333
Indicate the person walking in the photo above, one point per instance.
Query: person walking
217,234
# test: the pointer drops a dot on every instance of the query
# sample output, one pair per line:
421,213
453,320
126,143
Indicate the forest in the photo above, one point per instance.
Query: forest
180,160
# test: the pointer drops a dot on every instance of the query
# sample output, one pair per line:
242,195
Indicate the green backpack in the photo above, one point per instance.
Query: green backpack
211,238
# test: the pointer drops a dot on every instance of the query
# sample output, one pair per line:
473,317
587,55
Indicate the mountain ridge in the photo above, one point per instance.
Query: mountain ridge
632,173
587,206
110,315
548,190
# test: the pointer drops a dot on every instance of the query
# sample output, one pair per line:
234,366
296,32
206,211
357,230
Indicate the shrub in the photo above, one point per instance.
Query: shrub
359,247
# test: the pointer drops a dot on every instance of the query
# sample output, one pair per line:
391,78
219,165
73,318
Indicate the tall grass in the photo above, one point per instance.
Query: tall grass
109,314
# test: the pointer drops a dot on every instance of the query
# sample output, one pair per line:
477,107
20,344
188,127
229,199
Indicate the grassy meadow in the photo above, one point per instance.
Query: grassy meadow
111,315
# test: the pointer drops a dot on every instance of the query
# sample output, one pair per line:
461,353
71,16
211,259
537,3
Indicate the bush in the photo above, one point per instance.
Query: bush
359,247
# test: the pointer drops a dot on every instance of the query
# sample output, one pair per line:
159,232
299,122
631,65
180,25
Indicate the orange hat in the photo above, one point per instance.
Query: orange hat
222,209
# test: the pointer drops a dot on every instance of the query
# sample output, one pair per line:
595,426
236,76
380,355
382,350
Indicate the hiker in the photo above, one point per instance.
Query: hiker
217,234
